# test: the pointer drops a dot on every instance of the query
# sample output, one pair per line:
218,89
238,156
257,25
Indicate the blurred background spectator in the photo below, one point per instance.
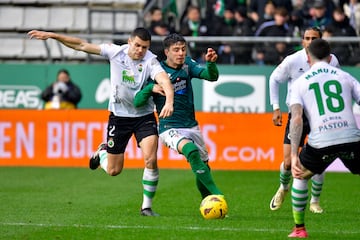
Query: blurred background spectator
62,94
273,53
193,25
239,25
352,11
340,27
263,10
158,27
317,13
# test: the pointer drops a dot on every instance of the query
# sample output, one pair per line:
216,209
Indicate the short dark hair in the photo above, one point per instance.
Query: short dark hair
154,8
171,39
319,48
316,29
63,71
142,33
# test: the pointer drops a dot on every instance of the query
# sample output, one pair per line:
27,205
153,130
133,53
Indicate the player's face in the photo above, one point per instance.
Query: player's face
175,55
309,36
137,48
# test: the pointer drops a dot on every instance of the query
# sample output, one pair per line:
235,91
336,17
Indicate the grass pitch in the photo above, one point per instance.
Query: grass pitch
76,203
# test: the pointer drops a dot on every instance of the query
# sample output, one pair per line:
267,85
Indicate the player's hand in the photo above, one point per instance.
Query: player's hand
38,34
211,55
277,117
296,167
158,89
167,110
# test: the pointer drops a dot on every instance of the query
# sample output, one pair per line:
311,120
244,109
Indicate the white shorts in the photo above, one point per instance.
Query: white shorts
172,137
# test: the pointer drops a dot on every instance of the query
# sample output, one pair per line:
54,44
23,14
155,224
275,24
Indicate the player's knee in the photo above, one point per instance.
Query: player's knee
151,162
114,171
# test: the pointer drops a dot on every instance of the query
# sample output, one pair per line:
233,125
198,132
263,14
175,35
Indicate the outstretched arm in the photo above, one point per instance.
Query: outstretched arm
71,42
164,82
211,71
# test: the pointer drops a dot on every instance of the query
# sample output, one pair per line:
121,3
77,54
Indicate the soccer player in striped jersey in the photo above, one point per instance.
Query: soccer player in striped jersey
288,71
131,65
325,95
180,131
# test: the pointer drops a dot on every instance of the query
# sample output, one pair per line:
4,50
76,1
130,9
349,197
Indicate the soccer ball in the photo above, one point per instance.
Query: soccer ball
213,207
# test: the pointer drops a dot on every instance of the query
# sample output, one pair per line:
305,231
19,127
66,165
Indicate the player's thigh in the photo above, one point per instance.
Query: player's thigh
313,159
146,134
177,138
172,138
119,132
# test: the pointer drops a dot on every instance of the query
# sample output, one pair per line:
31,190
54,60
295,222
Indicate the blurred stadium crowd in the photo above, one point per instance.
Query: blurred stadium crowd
338,19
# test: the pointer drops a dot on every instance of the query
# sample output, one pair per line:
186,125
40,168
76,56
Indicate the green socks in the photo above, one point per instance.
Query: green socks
204,180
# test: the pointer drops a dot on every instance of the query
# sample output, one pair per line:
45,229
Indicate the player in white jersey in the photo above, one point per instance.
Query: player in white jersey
131,65
325,95
288,71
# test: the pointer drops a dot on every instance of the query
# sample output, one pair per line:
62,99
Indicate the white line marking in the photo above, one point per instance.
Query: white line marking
189,228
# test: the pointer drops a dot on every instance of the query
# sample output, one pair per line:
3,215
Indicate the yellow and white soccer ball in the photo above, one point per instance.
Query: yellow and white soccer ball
213,207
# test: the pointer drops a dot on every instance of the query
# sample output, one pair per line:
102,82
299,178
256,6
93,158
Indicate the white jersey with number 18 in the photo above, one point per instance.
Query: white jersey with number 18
326,94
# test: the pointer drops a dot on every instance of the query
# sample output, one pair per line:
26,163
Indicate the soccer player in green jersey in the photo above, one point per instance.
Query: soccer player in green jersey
180,131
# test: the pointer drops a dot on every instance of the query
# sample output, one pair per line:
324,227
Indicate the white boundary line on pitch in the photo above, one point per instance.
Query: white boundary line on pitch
247,229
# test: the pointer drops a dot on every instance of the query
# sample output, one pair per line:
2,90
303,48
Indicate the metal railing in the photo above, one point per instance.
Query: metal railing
199,39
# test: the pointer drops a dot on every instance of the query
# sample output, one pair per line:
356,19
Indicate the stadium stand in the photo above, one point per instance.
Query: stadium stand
95,20
80,19
62,19
35,17
11,48
11,18
34,50
77,17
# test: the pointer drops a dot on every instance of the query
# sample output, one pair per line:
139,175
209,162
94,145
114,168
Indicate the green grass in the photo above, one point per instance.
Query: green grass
76,203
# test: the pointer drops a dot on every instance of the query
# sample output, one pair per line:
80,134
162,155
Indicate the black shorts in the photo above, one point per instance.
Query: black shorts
120,130
305,132
317,160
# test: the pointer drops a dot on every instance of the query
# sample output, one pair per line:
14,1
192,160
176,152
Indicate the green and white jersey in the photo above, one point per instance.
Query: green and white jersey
184,109
127,77
326,94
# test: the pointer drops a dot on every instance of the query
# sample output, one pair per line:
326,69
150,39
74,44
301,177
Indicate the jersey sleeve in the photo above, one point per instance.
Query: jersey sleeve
195,68
109,50
211,72
155,67
334,61
278,76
